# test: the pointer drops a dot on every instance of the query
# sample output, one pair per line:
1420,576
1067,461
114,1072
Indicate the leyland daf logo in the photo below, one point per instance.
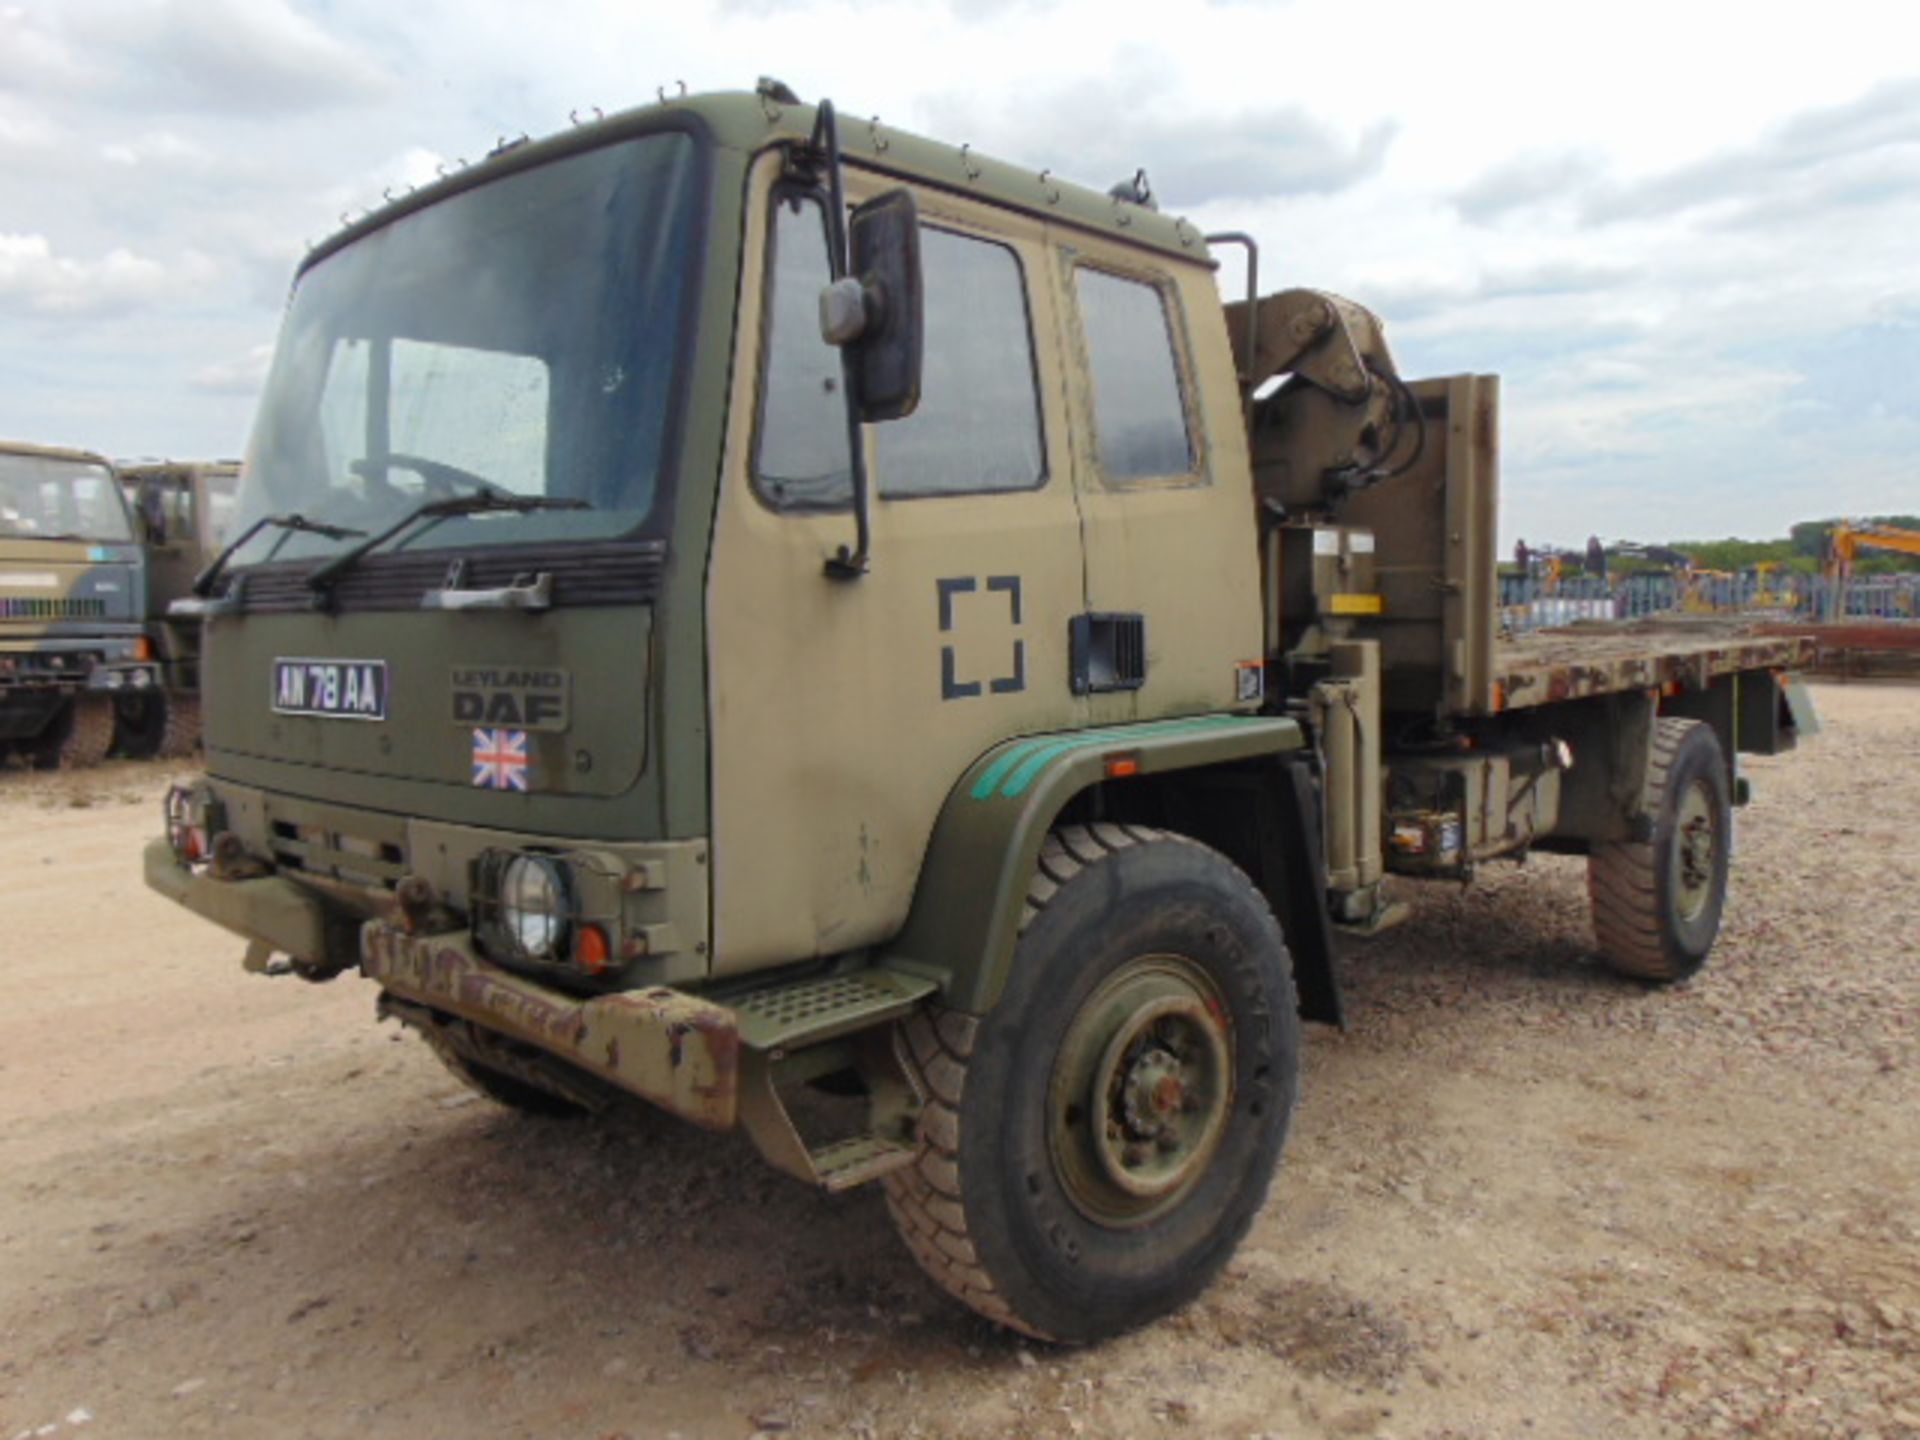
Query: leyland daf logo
533,698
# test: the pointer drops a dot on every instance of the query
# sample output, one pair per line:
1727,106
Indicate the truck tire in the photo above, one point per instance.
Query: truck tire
496,1084
79,736
509,1090
156,724
1656,903
1094,1148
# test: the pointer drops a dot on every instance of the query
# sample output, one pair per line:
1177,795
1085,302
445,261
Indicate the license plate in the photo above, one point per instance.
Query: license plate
339,689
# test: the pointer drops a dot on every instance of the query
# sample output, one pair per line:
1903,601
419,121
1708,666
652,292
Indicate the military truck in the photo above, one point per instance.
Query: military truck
185,511
688,639
72,646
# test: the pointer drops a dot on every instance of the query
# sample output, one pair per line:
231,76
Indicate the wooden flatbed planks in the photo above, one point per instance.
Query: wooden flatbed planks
1602,659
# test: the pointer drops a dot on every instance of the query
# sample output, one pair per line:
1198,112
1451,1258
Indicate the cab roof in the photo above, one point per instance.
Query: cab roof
54,452
750,121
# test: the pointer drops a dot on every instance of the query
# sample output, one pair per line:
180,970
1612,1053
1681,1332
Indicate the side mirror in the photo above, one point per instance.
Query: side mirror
876,312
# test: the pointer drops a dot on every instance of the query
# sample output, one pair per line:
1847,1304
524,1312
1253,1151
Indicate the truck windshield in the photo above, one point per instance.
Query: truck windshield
522,335
45,497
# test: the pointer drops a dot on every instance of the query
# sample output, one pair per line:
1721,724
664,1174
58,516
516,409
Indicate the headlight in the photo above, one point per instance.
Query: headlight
534,908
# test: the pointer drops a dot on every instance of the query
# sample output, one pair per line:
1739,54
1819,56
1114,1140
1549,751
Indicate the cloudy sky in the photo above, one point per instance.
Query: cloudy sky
1686,233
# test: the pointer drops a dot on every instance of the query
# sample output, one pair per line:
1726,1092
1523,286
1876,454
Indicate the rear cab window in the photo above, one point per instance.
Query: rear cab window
1143,424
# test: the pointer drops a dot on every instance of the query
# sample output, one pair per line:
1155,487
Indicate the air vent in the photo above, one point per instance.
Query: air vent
1107,652
35,609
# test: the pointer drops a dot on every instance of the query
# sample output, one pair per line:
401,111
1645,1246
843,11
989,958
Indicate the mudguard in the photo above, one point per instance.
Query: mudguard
986,843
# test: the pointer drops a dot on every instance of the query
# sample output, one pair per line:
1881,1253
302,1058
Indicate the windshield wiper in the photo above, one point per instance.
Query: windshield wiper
203,583
452,505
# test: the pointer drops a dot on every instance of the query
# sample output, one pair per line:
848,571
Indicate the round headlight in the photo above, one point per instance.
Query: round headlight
533,906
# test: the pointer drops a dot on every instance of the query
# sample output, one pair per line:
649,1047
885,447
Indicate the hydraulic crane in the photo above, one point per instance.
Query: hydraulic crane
1844,541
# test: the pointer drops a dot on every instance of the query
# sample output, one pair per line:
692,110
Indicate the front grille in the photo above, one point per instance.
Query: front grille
626,572
336,854
22,608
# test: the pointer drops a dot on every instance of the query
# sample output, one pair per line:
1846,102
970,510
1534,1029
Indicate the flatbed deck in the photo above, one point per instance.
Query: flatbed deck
1606,657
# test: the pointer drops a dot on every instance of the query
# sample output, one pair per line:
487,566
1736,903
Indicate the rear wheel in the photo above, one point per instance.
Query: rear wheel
79,736
1656,903
1094,1148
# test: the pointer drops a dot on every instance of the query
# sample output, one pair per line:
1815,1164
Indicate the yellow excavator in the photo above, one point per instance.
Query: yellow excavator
1845,540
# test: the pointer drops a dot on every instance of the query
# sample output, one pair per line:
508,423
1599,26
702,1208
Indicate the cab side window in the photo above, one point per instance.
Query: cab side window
802,458
1139,411
977,427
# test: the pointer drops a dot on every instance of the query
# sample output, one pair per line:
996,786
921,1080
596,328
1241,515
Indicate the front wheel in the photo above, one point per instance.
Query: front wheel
150,724
78,738
1095,1147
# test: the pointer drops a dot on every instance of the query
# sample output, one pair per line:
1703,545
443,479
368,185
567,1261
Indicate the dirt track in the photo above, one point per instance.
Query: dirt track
1521,1198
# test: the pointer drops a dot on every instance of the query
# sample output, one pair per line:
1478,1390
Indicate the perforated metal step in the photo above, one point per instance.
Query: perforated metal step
806,1012
858,1159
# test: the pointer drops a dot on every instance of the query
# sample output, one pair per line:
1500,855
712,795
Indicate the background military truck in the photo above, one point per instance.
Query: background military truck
686,641
185,513
71,605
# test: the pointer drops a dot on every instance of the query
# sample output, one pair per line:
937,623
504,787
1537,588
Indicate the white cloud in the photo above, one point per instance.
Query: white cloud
1696,281
158,147
187,56
36,280
241,375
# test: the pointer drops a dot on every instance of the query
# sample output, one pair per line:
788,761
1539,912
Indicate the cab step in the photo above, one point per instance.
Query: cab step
858,1159
800,1031
809,1012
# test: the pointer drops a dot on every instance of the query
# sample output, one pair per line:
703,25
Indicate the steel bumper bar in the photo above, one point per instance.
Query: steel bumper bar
274,912
672,1049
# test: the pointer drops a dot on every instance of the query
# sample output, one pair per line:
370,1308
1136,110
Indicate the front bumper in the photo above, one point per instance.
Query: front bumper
673,1049
274,912
665,1046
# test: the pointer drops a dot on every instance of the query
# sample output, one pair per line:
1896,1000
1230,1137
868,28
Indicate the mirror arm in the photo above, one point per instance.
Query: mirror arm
845,564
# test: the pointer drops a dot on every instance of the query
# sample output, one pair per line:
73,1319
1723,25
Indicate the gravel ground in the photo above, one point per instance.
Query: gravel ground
1522,1198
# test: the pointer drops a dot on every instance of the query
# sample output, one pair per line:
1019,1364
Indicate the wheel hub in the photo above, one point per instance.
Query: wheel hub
1153,1091
1695,851
1142,1090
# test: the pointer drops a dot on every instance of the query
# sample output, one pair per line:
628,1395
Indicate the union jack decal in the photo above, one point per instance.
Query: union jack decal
500,759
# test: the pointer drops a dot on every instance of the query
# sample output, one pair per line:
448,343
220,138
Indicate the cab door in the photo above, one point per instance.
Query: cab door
842,712
1172,622
167,497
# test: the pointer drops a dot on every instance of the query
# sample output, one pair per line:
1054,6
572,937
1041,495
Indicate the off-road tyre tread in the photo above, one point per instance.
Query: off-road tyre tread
181,737
1623,877
498,1086
935,1047
80,738
174,736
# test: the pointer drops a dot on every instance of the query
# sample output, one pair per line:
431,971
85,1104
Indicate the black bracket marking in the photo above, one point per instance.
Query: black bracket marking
951,686
957,585
1010,584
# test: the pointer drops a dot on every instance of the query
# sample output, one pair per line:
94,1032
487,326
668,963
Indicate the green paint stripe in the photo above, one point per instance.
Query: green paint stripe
991,777
1104,739
1023,777
1024,762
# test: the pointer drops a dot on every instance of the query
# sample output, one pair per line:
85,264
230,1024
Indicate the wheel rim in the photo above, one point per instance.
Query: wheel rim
1696,844
1141,1090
